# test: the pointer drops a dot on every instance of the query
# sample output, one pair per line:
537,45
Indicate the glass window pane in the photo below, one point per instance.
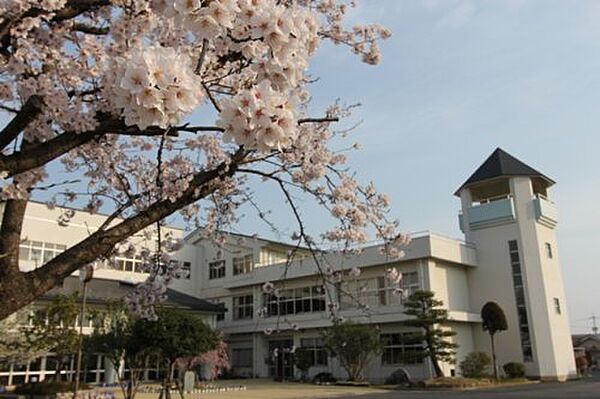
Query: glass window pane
23,253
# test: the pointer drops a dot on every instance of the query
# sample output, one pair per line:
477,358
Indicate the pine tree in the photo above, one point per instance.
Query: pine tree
428,315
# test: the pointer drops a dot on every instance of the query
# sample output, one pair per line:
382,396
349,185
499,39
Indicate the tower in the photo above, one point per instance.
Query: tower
508,215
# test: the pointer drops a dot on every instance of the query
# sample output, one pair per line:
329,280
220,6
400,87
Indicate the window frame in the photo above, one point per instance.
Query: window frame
318,350
243,307
217,269
396,345
243,264
556,303
548,248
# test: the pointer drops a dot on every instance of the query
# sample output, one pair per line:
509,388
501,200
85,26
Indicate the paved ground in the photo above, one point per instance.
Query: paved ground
587,388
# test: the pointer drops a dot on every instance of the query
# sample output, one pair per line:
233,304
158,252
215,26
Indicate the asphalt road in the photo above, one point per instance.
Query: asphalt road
588,388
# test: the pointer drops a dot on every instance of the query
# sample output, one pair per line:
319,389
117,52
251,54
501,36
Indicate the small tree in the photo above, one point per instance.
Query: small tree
113,338
174,335
303,361
14,344
214,361
54,329
475,365
427,314
353,344
493,321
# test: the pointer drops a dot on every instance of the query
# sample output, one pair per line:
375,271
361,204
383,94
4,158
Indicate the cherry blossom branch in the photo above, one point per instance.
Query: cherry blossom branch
24,287
72,9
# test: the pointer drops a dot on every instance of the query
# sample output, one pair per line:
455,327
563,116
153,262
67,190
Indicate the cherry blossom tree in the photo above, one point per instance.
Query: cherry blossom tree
103,91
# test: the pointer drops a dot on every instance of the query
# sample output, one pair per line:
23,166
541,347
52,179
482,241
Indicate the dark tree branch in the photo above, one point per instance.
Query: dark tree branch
39,154
317,120
90,29
202,56
211,97
30,110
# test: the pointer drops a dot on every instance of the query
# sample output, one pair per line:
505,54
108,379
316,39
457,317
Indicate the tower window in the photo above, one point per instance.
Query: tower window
548,247
557,306
519,289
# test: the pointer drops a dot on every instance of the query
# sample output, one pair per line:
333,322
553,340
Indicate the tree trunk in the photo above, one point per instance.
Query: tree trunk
436,366
180,389
494,363
432,355
10,239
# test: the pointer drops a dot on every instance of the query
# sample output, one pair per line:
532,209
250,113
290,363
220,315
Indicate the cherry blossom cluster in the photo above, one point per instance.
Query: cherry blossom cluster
153,86
259,118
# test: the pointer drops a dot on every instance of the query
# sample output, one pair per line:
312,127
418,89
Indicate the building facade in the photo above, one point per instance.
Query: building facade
509,256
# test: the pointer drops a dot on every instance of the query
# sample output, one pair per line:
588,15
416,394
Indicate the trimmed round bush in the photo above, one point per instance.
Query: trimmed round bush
514,370
476,365
399,376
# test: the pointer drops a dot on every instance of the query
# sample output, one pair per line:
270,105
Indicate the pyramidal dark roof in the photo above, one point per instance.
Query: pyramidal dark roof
499,164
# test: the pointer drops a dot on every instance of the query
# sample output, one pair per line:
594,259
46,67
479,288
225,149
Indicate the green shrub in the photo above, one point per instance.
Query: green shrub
476,365
514,370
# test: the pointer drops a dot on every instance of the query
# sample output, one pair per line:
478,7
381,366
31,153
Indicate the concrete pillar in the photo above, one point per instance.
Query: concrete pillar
110,374
43,368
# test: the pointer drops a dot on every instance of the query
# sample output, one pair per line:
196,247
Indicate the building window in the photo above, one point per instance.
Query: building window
548,250
401,348
243,264
220,316
519,288
270,256
373,292
316,348
557,306
39,252
241,357
216,269
134,264
187,270
243,307
294,301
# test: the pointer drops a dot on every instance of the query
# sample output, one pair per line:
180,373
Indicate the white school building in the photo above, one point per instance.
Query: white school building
508,255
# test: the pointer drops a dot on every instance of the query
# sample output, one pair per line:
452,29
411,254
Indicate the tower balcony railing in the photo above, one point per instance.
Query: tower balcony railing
545,211
491,212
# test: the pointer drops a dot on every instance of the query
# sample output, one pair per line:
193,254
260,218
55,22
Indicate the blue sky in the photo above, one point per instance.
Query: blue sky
460,78
457,80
